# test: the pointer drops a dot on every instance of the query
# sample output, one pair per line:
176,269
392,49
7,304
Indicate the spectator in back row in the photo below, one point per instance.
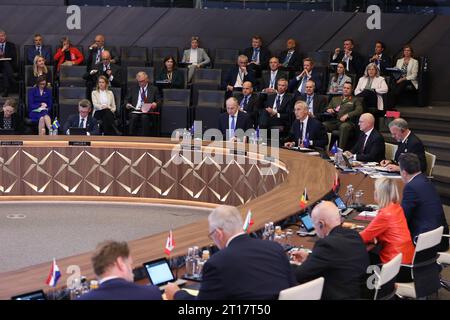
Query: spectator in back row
95,52
381,60
39,69
8,51
40,102
105,68
105,107
371,88
270,79
408,75
291,57
258,56
38,50
237,75
171,74
316,103
197,57
352,60
338,79
67,54
298,85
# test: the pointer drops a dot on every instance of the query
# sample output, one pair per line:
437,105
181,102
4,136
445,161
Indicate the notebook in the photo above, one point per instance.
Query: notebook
160,274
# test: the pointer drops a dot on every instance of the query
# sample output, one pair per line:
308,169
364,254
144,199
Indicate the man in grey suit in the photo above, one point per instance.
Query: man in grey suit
197,57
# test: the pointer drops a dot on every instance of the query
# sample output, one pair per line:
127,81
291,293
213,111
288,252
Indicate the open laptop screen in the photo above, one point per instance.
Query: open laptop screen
159,272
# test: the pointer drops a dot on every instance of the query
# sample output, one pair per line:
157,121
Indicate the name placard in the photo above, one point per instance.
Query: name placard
80,143
11,143
190,147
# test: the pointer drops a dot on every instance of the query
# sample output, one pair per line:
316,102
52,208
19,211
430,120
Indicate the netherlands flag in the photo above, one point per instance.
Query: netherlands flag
53,275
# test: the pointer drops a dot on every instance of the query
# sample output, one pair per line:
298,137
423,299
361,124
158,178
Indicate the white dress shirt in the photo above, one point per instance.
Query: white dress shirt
140,103
193,56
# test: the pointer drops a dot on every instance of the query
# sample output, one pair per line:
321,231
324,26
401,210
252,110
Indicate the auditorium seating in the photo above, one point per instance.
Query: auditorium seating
208,107
385,285
225,58
72,76
158,55
175,110
205,79
68,99
431,160
133,56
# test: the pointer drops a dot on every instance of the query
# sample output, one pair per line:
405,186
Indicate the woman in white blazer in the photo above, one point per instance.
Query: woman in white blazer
196,56
105,106
371,88
409,69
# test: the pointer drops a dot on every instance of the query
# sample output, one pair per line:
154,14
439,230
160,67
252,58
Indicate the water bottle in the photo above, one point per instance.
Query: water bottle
189,262
195,260
266,233
271,231
50,131
349,195
201,262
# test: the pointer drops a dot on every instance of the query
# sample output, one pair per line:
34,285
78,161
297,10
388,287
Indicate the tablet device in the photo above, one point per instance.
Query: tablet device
307,222
340,203
160,274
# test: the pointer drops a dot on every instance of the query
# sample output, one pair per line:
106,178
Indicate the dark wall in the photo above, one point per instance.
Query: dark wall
153,27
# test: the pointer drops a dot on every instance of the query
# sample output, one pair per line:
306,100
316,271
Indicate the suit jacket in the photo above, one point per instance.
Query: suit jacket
264,56
265,79
356,65
295,62
314,129
10,52
384,62
202,57
411,71
243,122
74,121
90,62
247,269
230,78
96,101
378,84
75,56
413,145
319,103
352,106
34,102
152,95
341,258
285,110
120,289
116,74
32,52
374,149
295,83
253,105
423,208
17,123
177,78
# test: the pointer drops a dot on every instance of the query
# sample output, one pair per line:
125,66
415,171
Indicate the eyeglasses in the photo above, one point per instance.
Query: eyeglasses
211,233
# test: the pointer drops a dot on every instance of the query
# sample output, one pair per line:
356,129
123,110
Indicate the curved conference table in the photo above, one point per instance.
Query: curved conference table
137,170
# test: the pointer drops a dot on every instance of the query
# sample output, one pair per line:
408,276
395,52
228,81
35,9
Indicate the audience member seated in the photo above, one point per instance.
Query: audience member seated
37,50
245,268
352,60
317,104
381,60
7,51
338,79
371,88
237,75
388,231
291,59
306,131
269,80
408,75
145,100
95,52
105,68
343,110
407,142
370,146
420,201
82,119
39,69
298,84
40,102
105,107
9,119
197,57
113,266
249,101
258,56
233,120
170,75
67,55
339,256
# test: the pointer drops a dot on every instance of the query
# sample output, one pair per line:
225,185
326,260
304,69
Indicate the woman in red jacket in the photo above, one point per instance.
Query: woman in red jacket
67,54
389,227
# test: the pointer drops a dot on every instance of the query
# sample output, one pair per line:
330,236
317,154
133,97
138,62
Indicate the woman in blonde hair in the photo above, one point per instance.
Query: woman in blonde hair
104,106
39,69
389,227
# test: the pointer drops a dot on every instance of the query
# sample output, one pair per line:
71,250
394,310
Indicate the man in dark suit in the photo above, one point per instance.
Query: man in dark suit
339,256
95,53
316,103
381,60
244,269
38,50
258,56
270,79
306,131
408,143
249,101
82,120
370,146
291,59
7,51
233,120
353,61
113,265
298,84
145,100
421,202
237,75
105,68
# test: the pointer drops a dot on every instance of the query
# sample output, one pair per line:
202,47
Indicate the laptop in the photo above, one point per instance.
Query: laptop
75,131
343,210
34,295
4,131
160,274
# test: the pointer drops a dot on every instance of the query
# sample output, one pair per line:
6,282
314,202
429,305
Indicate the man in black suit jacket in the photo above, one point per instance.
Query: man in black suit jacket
408,143
249,101
421,202
83,119
353,61
306,128
370,146
95,53
237,75
381,60
7,50
258,56
105,68
38,50
339,256
317,104
269,80
277,108
137,99
244,269
113,266
291,59
298,84
240,120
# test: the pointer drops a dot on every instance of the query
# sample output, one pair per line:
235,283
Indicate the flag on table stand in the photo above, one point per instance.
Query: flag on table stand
170,244
248,221
306,141
334,149
55,124
53,275
336,183
304,199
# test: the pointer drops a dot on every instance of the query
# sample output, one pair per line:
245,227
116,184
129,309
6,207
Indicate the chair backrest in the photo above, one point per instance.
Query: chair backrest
179,97
211,98
226,56
159,53
429,239
72,72
431,160
117,96
207,75
135,53
385,287
71,93
321,58
311,290
329,134
390,150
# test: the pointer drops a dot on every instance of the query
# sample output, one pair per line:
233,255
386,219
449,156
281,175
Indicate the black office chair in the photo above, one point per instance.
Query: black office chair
224,59
72,76
68,99
133,56
208,107
205,79
175,110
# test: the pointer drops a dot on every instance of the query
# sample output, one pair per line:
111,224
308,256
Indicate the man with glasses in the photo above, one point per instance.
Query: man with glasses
38,50
237,75
104,68
244,269
95,52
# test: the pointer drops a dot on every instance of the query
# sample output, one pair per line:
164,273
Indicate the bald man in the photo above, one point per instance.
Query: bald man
339,256
96,49
104,68
370,146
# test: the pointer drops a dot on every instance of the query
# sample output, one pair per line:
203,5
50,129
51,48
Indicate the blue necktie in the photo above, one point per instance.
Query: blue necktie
308,100
303,85
2,50
244,102
81,123
286,60
233,126
278,102
255,54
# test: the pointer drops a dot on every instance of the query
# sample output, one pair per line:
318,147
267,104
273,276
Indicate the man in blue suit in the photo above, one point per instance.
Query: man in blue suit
83,119
244,269
112,264
233,120
38,50
421,202
298,85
